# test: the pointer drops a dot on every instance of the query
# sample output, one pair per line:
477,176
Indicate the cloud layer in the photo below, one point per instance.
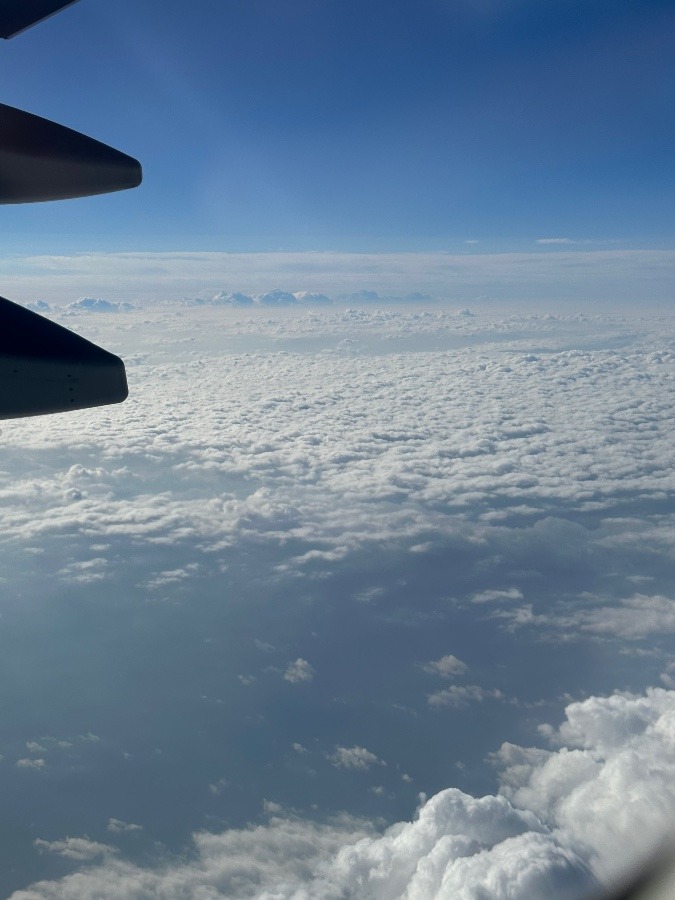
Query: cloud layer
357,551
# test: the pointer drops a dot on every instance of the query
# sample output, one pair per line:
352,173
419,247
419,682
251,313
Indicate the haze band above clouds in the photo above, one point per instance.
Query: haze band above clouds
614,275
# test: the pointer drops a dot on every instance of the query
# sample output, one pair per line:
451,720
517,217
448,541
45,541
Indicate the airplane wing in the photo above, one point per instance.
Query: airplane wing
45,368
17,15
40,160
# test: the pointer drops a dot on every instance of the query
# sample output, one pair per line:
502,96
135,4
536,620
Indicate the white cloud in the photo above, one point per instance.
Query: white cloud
270,808
667,677
635,618
346,450
312,298
278,857
77,849
324,474
565,822
217,787
117,826
276,298
91,304
299,671
27,763
488,596
611,786
86,571
172,576
460,696
447,666
35,747
354,758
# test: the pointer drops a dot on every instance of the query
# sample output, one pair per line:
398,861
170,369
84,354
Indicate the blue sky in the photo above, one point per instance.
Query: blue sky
357,126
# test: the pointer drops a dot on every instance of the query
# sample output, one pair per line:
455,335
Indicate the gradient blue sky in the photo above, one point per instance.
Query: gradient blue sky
358,126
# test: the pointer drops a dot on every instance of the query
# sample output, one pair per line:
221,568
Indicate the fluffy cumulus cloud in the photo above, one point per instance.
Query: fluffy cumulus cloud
30,763
447,666
611,785
354,758
299,671
312,298
575,430
566,820
276,297
98,304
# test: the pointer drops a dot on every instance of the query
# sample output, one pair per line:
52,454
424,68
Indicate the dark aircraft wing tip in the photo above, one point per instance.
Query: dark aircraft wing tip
41,160
18,15
137,176
45,368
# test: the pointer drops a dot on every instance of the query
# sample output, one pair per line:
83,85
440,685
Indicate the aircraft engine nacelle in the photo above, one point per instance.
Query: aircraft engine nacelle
45,368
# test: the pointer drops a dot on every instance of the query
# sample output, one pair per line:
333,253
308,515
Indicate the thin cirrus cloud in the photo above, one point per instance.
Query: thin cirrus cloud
556,240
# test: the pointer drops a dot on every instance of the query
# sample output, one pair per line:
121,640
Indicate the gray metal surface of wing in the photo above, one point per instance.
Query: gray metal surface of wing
45,368
40,160
17,15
